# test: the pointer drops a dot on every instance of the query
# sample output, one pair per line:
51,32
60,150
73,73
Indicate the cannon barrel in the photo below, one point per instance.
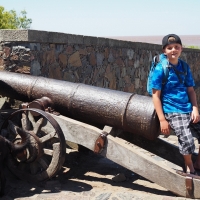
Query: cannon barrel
130,112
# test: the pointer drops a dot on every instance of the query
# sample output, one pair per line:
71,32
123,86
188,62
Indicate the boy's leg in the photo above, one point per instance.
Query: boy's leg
180,123
195,128
188,163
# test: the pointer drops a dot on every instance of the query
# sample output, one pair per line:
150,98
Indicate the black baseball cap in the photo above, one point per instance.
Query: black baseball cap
171,39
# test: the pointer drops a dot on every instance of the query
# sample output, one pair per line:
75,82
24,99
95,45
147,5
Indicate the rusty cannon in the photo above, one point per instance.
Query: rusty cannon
132,113
120,126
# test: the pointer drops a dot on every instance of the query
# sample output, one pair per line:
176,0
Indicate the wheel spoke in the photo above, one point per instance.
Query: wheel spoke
48,152
30,117
47,137
26,123
37,125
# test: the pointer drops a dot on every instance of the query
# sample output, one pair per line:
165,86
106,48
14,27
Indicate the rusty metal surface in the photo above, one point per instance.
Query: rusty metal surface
130,112
100,142
141,117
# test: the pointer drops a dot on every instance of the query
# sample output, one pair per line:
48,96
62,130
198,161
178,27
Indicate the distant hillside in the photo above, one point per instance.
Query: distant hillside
187,40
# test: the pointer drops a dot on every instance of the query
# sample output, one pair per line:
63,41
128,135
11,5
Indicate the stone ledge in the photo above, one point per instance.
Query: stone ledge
7,35
37,36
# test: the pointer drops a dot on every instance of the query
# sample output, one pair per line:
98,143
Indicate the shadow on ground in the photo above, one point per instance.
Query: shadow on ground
80,171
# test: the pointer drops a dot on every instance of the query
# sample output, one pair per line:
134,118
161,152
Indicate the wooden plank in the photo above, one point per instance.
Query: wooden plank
78,132
159,147
126,155
129,156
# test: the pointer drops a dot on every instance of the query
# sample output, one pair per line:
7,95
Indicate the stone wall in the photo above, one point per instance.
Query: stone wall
102,62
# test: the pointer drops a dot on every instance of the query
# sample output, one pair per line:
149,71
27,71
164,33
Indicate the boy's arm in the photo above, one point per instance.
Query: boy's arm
164,125
193,100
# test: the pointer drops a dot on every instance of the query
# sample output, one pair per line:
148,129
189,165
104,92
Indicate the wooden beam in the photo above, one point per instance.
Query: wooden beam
130,156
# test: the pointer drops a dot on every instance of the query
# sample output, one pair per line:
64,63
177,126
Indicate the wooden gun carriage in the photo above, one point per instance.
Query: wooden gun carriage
120,126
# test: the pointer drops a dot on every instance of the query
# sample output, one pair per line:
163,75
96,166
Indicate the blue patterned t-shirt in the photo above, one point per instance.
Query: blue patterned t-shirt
174,96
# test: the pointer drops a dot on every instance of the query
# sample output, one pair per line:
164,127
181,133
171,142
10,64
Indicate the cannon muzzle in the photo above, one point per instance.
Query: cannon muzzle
129,112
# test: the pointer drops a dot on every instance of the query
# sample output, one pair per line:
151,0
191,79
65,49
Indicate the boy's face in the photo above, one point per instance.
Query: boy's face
173,51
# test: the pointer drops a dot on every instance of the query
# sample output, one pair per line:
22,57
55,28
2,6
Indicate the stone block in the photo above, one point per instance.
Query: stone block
119,62
113,43
137,83
83,52
35,46
136,63
35,68
122,44
69,76
55,72
88,40
62,59
90,49
69,49
92,59
106,52
75,39
111,58
74,60
13,35
100,58
130,54
50,57
38,36
102,41
58,38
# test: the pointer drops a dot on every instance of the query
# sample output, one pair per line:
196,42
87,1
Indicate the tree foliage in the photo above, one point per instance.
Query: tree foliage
193,47
11,20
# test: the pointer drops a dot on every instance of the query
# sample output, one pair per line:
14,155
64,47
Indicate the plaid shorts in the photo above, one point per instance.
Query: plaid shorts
185,130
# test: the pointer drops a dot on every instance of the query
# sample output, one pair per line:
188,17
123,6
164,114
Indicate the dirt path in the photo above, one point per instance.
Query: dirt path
88,176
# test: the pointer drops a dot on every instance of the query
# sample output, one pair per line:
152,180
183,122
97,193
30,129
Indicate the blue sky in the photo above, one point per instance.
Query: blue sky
104,18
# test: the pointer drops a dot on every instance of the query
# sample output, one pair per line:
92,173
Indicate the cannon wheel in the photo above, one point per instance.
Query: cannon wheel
45,154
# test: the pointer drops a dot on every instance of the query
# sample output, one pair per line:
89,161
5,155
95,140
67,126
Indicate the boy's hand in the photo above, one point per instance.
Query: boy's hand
165,127
195,116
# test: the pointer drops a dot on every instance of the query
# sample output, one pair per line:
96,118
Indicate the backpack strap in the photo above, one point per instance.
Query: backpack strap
162,58
166,72
185,67
156,59
177,72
